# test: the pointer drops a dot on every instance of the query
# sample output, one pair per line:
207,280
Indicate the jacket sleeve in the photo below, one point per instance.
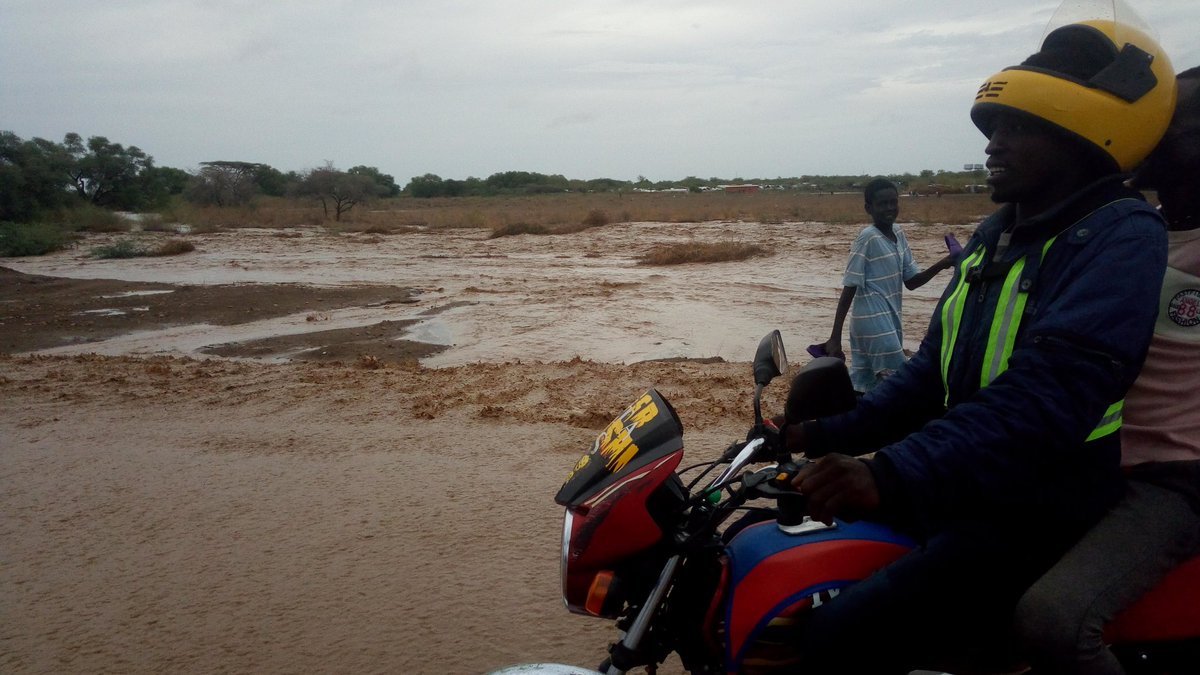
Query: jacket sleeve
896,407
1077,354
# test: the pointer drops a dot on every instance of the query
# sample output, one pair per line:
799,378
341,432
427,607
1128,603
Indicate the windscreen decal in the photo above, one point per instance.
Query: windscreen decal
615,444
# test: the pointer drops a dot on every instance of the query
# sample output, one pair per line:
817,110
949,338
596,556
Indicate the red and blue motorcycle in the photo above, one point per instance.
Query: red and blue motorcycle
661,557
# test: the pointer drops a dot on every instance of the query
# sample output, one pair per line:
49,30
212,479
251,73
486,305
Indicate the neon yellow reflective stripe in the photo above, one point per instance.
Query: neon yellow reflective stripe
1002,333
952,311
1003,328
1110,422
1009,310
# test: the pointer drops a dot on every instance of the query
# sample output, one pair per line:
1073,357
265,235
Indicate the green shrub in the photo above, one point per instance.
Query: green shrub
32,239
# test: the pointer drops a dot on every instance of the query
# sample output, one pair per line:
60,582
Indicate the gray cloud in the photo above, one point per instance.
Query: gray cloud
587,89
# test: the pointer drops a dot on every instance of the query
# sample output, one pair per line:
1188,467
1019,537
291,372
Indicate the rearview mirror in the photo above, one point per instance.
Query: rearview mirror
770,361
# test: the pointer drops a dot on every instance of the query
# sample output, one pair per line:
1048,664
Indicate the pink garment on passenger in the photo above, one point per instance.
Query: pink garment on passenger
1162,409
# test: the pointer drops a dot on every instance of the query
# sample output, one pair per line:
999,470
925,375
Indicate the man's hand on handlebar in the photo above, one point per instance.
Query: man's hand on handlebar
792,434
837,485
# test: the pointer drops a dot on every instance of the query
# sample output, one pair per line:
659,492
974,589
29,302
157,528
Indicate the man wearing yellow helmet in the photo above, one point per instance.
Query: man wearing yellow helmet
996,445
1156,525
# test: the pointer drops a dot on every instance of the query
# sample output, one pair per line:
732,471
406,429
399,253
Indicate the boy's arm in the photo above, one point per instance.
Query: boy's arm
833,346
921,278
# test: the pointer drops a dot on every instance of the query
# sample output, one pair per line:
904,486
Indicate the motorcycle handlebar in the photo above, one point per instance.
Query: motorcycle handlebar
776,483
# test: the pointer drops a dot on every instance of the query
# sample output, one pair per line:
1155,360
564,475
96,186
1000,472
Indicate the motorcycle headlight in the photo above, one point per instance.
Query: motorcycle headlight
568,519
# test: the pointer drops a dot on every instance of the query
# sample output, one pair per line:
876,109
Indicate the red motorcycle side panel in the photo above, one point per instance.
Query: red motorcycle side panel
1170,611
611,526
774,574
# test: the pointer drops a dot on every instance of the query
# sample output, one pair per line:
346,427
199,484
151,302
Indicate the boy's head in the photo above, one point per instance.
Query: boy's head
882,202
1105,85
1174,167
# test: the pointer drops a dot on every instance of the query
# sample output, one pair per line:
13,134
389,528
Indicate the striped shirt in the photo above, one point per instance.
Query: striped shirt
877,270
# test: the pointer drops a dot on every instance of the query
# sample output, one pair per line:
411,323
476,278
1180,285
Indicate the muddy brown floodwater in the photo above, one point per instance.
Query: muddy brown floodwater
291,451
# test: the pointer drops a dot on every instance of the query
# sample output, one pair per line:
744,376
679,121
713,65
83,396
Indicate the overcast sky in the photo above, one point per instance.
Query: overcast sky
615,89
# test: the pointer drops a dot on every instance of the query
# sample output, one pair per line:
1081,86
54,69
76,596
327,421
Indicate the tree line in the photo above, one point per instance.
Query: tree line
39,176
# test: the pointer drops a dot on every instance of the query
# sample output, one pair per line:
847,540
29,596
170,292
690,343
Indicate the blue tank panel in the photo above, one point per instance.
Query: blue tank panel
761,541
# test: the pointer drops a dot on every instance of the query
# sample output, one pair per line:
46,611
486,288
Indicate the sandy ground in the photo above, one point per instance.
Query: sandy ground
268,469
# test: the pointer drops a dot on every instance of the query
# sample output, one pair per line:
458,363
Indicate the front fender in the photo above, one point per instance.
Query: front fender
544,669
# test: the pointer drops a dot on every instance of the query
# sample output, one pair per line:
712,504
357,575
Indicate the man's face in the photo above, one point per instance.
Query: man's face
1026,160
1174,166
884,207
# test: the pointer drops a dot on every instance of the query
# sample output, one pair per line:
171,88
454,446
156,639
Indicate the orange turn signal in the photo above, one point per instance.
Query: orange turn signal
598,593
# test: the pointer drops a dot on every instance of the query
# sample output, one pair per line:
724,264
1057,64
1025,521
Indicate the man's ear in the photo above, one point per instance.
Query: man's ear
867,208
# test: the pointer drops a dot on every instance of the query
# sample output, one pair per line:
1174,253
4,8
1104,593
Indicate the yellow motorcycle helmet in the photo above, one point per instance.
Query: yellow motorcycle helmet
1121,102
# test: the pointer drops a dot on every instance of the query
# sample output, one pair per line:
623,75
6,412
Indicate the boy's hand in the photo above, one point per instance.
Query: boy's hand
954,248
834,349
838,485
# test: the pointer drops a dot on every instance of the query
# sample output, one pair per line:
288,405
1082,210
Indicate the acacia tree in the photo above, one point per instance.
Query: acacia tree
429,185
107,174
339,189
224,183
387,184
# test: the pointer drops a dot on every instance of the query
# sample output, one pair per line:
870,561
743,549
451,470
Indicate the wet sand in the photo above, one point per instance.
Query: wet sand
167,510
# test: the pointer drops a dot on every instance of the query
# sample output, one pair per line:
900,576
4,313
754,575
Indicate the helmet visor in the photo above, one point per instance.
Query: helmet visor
1128,26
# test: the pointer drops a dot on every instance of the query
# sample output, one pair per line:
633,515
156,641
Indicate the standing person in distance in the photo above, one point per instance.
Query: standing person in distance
880,267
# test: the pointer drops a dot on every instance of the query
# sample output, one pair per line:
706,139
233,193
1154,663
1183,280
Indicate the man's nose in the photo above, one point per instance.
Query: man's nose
995,143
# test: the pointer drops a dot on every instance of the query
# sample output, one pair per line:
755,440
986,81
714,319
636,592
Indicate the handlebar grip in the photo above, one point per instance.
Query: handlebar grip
793,506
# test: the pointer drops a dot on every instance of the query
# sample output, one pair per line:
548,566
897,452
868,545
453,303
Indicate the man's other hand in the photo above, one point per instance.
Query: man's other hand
838,485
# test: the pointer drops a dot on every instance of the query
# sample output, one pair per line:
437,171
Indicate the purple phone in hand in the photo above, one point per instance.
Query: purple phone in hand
953,246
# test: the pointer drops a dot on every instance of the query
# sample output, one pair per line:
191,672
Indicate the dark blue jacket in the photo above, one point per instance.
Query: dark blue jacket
1017,447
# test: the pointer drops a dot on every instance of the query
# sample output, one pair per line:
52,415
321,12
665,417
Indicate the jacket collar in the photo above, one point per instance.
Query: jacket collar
1061,216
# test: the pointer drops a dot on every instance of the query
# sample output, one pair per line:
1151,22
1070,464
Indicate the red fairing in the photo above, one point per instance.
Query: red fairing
610,527
1170,611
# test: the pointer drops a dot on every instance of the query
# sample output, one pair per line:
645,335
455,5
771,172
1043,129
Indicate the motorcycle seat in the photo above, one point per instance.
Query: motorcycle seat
1170,611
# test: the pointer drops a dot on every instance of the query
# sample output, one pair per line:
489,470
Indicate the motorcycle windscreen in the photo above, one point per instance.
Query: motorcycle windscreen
647,430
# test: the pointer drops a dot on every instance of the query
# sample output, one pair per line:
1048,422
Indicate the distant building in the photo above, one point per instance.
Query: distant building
741,189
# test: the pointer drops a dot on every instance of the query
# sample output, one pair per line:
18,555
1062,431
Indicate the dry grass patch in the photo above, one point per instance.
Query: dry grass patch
572,212
128,248
679,254
518,228
173,247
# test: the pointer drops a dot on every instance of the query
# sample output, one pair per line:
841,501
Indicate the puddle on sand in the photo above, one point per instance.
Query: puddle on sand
431,331
113,311
531,298
130,294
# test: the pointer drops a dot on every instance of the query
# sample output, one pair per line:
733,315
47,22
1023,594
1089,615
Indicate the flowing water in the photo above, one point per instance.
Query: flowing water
528,298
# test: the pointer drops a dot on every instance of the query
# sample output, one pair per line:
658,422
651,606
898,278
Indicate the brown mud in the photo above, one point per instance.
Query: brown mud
342,495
